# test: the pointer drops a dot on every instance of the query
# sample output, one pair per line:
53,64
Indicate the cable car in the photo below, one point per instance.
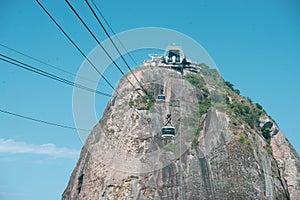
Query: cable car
161,97
168,130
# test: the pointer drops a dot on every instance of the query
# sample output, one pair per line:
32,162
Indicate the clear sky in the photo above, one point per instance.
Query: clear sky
255,45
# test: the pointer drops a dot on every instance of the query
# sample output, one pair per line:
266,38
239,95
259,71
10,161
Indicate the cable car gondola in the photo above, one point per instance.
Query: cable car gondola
168,130
161,98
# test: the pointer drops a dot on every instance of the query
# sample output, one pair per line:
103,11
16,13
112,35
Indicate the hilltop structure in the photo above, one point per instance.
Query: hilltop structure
173,58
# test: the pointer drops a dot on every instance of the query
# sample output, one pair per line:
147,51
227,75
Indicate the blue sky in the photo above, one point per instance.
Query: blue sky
255,45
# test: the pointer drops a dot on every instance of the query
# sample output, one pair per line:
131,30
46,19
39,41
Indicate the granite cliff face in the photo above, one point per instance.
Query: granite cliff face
225,147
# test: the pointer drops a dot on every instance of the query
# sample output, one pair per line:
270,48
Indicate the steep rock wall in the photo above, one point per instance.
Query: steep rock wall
125,157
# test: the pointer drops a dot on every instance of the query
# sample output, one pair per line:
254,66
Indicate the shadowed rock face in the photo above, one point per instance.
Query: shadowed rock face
125,157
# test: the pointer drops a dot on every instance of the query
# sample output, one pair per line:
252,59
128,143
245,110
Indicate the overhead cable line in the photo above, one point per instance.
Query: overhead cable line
42,121
110,28
76,46
98,42
45,63
81,52
115,46
48,75
52,76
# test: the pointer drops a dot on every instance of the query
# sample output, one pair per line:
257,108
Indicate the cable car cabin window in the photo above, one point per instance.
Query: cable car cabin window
161,98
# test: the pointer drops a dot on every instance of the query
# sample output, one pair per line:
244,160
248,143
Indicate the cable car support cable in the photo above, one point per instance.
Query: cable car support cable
47,64
115,46
99,11
76,46
98,42
42,121
48,75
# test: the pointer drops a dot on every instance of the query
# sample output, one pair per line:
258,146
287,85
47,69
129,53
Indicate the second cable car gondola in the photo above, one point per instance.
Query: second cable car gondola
168,131
161,98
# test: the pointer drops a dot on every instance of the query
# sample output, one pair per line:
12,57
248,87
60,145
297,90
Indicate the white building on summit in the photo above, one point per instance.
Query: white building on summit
174,55
173,58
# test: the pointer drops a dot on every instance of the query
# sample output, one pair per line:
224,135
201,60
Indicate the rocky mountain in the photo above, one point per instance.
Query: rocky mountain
225,147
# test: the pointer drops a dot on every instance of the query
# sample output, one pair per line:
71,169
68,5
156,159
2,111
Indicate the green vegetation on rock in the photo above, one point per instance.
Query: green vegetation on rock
248,142
242,108
197,81
247,112
229,85
241,139
143,102
204,106
266,130
269,149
